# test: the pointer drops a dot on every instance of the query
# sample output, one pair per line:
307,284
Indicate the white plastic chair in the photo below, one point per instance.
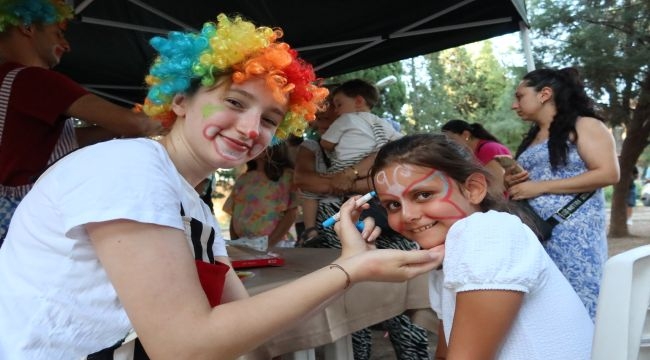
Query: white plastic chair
623,314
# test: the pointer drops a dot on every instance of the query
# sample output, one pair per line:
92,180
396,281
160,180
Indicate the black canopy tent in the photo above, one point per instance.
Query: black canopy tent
111,54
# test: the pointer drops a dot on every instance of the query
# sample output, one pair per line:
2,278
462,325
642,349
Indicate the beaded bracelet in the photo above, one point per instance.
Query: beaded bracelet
347,281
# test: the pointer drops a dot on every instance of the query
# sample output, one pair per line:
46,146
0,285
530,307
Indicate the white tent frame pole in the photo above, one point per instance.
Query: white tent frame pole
395,34
82,6
524,34
115,87
163,15
339,43
110,96
452,27
123,25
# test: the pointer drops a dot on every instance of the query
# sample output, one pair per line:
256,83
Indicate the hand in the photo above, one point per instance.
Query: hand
510,179
525,190
353,241
342,183
390,265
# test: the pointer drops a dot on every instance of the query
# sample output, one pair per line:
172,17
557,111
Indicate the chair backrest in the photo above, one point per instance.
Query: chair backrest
623,316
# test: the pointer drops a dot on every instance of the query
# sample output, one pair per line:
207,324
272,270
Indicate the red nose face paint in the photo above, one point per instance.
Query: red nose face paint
253,134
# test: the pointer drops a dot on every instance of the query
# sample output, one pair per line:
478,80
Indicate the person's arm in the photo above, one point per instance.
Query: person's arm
305,176
153,272
329,146
231,230
118,120
482,320
89,135
354,178
597,149
233,288
441,346
282,228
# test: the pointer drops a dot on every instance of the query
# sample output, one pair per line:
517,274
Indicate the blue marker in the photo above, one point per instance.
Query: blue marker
360,201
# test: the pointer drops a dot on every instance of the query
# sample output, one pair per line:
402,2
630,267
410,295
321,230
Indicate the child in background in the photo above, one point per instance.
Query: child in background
354,134
263,201
357,132
498,294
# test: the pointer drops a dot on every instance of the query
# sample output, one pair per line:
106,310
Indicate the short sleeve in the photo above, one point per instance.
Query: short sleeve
119,179
44,94
492,251
338,127
219,245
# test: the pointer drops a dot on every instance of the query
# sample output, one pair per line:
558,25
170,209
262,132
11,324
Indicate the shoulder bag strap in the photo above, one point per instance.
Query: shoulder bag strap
568,209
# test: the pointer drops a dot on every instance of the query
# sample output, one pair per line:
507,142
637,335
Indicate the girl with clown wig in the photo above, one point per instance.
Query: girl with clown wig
131,260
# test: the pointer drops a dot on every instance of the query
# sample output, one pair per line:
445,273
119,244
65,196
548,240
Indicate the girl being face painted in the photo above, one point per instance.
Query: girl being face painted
422,203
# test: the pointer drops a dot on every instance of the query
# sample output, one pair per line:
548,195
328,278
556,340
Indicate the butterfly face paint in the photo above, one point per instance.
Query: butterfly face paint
422,203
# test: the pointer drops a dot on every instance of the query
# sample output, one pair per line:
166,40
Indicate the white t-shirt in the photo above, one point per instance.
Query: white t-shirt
56,301
355,138
496,251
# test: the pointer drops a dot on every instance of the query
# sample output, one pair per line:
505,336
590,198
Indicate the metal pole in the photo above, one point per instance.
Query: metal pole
524,33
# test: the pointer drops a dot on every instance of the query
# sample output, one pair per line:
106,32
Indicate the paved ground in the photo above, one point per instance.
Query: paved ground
640,235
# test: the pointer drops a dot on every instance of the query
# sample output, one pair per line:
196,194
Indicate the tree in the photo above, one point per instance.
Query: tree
472,87
609,41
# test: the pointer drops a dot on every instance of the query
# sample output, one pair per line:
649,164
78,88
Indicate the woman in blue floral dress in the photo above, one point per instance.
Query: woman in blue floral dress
568,150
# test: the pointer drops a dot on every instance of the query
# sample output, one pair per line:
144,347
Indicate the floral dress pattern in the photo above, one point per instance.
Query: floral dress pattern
257,203
578,245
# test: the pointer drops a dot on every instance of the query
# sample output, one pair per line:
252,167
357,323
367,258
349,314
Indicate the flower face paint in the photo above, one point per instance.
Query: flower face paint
422,203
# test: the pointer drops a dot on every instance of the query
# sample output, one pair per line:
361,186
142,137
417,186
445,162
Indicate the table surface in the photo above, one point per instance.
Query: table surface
363,305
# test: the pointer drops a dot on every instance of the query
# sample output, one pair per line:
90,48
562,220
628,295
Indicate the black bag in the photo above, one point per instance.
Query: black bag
543,228
540,227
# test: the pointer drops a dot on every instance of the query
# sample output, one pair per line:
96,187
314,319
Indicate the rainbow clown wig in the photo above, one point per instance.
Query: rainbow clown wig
27,12
233,47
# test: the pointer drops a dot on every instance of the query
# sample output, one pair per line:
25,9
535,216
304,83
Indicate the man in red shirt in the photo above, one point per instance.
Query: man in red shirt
37,105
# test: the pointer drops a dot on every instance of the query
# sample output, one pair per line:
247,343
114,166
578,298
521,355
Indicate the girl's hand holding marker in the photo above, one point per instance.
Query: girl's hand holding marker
346,227
358,203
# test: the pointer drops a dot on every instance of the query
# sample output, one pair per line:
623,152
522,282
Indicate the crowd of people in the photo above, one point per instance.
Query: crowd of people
110,243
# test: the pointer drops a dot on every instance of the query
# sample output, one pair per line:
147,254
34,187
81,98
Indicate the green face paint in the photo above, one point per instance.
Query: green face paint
210,109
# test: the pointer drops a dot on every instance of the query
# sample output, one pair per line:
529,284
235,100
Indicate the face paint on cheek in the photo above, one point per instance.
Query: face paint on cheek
211,131
446,197
443,196
208,109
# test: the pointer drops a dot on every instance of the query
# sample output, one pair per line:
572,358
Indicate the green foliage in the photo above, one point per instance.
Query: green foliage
475,88
608,40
